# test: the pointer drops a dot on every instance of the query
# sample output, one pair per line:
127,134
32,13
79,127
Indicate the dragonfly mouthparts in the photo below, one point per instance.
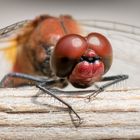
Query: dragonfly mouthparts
89,59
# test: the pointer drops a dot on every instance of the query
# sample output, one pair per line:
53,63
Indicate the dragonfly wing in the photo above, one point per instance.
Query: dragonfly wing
7,56
11,30
125,40
8,46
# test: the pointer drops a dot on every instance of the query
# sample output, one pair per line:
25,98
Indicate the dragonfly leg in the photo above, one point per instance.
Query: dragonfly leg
43,84
71,110
26,77
112,79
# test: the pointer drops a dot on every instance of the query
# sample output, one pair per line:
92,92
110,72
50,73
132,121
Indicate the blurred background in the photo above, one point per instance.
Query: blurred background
126,11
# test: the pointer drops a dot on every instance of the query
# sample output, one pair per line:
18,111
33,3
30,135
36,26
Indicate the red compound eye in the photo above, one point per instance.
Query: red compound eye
102,47
68,50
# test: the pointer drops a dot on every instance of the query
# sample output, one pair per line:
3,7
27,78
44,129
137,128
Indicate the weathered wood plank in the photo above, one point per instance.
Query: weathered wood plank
90,119
42,133
26,114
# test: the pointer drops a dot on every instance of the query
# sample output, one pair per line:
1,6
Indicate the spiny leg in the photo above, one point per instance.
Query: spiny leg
43,84
114,79
26,77
49,92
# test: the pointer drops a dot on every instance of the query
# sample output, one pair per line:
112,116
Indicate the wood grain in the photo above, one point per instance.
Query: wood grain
28,114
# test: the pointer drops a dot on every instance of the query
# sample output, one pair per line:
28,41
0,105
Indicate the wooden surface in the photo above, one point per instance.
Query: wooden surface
28,114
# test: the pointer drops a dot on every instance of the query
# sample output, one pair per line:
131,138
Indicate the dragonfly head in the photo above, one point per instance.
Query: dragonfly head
83,60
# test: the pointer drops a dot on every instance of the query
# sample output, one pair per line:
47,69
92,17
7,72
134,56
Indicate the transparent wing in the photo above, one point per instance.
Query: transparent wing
125,40
8,46
9,30
8,35
7,56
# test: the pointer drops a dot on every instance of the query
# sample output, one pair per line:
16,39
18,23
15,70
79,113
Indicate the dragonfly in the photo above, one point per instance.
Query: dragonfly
55,51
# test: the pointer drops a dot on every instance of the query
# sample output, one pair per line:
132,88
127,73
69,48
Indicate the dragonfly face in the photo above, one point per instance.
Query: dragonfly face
83,60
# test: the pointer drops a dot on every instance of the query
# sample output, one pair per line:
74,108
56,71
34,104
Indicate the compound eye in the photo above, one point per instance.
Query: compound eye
67,52
102,47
